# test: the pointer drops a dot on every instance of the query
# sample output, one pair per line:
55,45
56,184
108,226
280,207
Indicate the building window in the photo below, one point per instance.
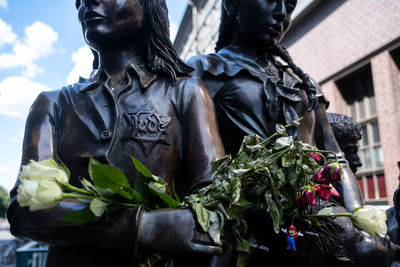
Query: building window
396,56
358,91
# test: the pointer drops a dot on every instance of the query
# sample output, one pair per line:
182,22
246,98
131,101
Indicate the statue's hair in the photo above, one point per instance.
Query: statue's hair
344,127
161,56
225,37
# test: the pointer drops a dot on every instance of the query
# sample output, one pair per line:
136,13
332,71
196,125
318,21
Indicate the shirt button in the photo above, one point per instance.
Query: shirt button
105,136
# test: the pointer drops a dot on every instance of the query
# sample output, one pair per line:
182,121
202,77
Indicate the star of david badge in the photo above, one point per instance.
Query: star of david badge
147,127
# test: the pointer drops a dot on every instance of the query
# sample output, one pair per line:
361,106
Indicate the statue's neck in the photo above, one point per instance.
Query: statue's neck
251,46
115,61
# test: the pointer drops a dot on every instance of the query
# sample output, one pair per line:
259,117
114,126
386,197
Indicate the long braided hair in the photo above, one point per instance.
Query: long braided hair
225,36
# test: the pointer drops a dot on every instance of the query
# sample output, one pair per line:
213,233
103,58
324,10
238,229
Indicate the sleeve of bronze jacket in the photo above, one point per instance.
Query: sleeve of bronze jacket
117,232
201,143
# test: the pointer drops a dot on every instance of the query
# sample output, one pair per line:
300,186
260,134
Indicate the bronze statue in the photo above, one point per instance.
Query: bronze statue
255,84
252,90
140,102
347,133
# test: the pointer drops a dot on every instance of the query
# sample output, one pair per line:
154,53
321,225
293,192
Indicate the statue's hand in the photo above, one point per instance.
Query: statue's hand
174,231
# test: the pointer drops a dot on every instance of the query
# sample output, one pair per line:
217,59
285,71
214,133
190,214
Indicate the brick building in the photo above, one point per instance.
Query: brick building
352,48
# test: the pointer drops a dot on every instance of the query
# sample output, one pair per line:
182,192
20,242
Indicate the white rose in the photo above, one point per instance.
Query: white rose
40,195
44,170
40,188
370,219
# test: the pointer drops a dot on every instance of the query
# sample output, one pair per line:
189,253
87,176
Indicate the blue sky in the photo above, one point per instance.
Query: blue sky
41,48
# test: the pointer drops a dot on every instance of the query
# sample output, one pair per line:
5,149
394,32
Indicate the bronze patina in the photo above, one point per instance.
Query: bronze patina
347,133
140,101
255,84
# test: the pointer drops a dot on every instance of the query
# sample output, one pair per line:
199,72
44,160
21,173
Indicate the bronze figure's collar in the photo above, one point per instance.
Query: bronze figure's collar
101,76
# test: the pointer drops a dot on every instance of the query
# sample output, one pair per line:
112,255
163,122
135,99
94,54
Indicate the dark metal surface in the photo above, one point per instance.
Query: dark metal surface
252,91
139,102
347,133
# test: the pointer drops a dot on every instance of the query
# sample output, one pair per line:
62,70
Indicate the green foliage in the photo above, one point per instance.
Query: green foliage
4,202
267,173
80,216
110,191
110,177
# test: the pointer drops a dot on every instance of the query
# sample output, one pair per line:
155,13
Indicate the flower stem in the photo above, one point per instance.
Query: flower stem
344,214
106,200
276,133
71,195
77,190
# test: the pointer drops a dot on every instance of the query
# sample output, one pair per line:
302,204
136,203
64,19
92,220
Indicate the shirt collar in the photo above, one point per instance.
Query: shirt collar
100,76
238,52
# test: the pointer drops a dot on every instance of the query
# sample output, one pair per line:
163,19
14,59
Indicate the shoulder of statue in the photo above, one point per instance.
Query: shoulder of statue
190,88
210,63
190,84
48,97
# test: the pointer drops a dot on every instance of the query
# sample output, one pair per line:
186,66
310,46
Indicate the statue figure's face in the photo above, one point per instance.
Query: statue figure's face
350,150
264,21
109,23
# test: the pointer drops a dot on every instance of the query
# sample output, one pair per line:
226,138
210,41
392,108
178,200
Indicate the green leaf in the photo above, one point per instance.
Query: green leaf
243,259
107,176
280,129
325,211
141,168
238,208
89,186
174,195
168,201
274,210
283,142
142,186
98,207
220,163
137,197
203,216
281,175
80,216
292,175
215,227
243,245
288,160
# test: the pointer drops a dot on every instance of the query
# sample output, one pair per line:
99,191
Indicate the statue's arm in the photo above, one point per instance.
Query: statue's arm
348,188
117,232
201,142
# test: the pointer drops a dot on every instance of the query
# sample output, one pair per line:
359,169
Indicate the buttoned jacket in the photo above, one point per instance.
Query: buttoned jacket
169,127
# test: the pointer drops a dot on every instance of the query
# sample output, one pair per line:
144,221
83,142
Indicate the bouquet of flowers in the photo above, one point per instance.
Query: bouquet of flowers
279,174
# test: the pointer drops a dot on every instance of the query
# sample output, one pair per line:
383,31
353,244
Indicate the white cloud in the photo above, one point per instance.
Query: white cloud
83,59
17,94
4,4
7,36
37,43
